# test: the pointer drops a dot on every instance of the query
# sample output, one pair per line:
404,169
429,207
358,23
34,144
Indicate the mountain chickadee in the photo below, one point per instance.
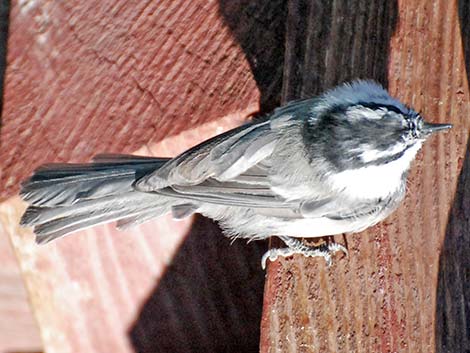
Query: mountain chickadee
321,166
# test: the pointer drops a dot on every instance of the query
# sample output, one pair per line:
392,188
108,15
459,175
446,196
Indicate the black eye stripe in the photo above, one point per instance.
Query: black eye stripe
375,106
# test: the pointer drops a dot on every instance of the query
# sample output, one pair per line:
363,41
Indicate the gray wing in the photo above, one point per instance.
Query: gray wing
222,158
229,155
232,169
230,193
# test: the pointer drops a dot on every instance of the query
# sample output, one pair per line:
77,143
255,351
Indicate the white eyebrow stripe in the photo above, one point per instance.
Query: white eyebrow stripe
361,112
370,155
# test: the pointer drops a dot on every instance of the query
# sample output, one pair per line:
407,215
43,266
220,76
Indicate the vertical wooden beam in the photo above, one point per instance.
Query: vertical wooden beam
388,296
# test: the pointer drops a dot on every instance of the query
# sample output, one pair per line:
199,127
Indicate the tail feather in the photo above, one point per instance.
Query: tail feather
69,189
141,217
67,198
37,214
128,158
64,184
58,227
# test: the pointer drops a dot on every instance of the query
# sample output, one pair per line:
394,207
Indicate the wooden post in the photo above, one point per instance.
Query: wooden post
404,287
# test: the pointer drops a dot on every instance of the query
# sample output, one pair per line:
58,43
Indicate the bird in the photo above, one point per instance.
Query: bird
331,164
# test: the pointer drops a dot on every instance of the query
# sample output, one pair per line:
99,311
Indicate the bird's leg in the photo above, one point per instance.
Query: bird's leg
295,246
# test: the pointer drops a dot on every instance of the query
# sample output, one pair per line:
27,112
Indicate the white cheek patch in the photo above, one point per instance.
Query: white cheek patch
374,182
370,155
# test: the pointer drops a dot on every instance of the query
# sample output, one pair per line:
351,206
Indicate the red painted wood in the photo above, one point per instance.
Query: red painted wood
87,77
18,328
84,77
114,76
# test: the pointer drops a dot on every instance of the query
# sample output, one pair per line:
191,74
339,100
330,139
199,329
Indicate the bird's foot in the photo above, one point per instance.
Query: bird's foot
295,246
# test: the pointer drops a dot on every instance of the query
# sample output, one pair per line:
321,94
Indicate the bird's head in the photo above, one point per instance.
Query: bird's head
359,124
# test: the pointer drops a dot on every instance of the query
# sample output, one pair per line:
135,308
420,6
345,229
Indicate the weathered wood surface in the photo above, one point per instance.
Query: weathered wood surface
123,75
18,329
405,286
86,77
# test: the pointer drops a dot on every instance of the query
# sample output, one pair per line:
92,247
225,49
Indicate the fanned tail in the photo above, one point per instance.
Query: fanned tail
65,198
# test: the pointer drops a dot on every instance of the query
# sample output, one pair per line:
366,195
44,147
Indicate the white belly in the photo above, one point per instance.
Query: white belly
320,227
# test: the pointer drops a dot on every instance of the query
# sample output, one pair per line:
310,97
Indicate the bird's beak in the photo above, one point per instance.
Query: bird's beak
430,128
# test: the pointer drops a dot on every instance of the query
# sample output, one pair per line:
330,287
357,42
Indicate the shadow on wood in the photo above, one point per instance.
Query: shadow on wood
209,300
453,290
328,44
259,27
337,309
4,17
464,20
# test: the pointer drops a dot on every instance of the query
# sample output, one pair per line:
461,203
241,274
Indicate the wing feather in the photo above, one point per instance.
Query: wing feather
223,157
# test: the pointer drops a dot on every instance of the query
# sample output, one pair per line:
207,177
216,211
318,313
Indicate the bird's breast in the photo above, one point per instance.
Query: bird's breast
371,182
376,181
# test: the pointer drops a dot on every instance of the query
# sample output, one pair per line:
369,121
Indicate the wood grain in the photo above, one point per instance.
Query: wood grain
163,286
394,292
118,76
18,328
84,78
87,77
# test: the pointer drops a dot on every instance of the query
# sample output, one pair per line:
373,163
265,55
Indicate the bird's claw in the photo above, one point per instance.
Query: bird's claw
325,251
273,254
